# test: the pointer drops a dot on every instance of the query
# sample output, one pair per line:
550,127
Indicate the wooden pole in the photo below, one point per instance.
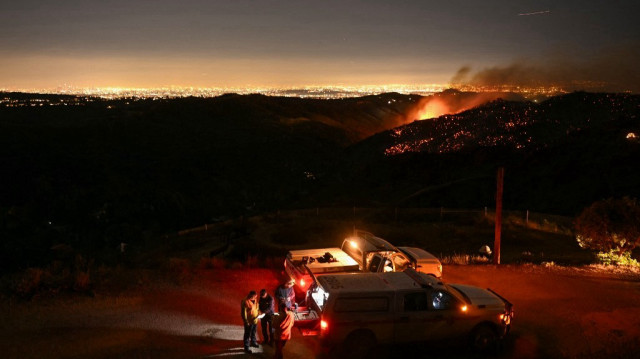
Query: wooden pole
500,182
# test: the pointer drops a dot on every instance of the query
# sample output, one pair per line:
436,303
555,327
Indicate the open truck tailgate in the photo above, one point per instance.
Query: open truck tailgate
307,321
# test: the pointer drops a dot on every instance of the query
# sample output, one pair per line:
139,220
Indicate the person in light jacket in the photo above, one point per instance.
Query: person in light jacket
249,312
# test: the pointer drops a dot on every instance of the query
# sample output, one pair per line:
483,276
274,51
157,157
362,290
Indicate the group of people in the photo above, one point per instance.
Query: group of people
276,327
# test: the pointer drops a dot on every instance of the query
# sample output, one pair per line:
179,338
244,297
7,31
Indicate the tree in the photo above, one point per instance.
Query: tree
610,225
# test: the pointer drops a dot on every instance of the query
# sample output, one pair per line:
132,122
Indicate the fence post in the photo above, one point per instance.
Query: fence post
498,229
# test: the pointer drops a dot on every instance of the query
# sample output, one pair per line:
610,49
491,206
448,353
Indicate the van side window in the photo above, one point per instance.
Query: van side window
371,304
442,300
416,302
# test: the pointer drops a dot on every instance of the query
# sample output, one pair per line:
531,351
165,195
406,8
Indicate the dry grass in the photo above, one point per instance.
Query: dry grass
464,259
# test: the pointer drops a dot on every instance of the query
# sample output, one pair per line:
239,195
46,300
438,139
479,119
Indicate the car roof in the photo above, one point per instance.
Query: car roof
371,282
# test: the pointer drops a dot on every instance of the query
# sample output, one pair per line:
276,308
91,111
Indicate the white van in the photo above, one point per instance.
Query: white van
362,309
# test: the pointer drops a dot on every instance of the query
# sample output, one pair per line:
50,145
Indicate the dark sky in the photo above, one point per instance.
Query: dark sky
209,43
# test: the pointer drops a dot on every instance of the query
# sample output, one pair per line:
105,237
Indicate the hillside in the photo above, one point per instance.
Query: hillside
92,173
559,155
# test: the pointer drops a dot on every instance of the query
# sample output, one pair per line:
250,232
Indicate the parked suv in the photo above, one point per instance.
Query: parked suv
362,309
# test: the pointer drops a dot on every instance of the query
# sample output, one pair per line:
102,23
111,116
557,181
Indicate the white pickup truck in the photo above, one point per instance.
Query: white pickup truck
354,312
362,252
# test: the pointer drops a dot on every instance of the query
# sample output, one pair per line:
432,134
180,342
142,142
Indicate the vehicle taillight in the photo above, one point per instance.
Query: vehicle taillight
324,325
464,308
302,282
505,318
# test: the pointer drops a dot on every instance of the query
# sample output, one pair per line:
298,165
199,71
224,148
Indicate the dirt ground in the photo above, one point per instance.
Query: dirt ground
560,313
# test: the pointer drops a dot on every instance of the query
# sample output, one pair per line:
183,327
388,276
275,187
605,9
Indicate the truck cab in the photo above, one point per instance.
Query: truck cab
375,254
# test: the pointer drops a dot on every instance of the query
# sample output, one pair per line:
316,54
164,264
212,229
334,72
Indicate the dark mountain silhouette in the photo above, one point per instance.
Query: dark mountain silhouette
92,173
560,155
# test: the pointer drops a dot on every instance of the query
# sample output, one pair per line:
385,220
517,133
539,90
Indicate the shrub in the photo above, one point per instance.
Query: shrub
82,282
614,258
464,259
612,224
82,278
252,261
29,283
212,263
180,268
273,262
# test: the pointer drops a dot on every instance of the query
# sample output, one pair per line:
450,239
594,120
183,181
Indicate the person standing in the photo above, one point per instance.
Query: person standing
285,294
265,304
249,312
282,323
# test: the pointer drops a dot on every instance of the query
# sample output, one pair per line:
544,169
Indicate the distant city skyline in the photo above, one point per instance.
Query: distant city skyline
591,45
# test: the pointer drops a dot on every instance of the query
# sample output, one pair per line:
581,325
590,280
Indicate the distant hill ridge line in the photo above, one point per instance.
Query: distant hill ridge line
509,124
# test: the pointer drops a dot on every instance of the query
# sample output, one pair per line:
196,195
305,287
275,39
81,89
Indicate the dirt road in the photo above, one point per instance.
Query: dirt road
559,314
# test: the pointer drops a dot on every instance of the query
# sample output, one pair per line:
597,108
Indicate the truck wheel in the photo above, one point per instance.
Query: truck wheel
484,339
359,344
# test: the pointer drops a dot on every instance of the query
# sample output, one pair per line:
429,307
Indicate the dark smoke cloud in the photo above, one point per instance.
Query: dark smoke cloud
461,75
612,70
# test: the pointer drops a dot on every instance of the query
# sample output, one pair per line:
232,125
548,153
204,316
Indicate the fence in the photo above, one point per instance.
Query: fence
539,221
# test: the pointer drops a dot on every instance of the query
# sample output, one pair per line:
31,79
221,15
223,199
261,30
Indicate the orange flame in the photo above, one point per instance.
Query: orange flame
447,103
432,109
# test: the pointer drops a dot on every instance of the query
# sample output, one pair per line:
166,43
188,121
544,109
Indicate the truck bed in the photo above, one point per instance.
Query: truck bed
317,263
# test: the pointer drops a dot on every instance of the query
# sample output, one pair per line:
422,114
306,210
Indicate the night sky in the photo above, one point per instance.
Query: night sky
226,43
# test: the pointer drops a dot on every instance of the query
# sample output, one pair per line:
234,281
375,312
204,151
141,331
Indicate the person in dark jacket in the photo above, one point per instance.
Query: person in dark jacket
265,304
285,294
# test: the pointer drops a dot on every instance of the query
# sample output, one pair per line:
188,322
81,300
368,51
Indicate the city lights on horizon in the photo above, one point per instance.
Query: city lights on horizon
311,91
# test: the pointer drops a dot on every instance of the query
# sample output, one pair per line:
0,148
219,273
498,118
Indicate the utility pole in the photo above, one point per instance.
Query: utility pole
496,245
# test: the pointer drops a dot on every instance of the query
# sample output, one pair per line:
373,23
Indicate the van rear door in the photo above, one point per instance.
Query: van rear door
307,318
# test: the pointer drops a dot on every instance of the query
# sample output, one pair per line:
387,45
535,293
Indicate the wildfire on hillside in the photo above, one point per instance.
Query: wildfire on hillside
449,103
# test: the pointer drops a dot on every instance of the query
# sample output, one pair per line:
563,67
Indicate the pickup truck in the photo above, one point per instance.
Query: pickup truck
362,252
354,312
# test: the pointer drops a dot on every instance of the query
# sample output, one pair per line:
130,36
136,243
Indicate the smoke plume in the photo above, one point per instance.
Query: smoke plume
612,70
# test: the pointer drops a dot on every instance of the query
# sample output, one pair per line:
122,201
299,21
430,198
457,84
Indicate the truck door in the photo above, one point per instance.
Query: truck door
451,312
415,318
400,262
380,263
